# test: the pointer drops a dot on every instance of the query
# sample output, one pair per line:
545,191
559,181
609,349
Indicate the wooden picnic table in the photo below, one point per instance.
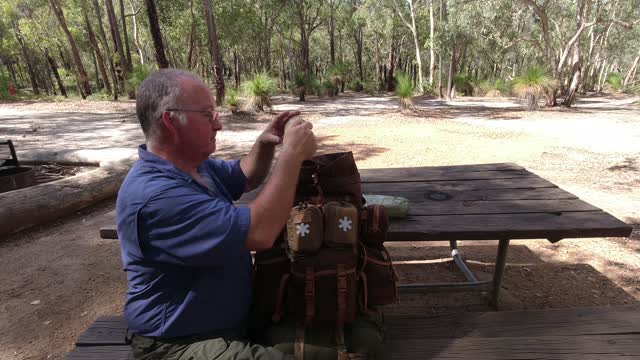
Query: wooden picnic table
482,202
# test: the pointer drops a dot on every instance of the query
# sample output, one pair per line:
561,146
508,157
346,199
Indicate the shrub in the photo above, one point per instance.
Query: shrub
532,85
258,90
404,90
372,87
136,77
356,86
463,84
615,81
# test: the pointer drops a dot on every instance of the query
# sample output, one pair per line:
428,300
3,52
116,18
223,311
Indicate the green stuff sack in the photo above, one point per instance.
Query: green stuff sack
395,206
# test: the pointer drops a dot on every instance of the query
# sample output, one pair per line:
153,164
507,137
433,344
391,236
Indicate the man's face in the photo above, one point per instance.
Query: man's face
197,136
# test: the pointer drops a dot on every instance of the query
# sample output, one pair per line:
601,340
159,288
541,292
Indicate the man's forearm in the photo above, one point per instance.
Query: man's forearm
256,164
269,211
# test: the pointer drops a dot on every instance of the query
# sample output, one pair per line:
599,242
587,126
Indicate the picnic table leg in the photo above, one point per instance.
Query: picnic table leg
501,260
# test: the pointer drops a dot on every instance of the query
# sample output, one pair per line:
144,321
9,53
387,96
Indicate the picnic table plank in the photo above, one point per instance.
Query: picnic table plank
481,195
450,168
460,185
508,226
614,320
583,347
417,174
106,330
470,207
117,352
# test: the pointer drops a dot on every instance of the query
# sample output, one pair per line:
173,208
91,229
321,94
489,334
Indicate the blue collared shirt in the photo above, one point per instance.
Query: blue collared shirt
183,248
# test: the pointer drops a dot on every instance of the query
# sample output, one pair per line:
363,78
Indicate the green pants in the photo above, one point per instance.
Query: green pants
195,348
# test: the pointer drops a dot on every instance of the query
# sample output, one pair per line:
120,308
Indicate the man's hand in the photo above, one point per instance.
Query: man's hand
300,140
274,132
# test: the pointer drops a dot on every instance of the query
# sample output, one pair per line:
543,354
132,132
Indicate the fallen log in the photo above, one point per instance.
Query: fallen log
24,208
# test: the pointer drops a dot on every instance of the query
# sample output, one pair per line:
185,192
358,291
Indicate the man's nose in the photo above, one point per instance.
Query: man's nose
216,124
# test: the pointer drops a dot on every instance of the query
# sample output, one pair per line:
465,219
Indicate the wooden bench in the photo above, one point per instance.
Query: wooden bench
582,334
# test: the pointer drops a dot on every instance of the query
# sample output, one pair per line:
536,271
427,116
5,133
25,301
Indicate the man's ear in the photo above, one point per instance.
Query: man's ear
169,124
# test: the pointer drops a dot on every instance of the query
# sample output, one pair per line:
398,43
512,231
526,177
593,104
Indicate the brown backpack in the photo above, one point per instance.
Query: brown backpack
350,273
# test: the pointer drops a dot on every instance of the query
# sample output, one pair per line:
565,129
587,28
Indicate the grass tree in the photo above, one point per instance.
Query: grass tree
531,85
404,90
337,74
232,101
258,90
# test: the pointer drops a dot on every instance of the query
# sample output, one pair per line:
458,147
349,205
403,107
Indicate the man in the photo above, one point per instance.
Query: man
185,246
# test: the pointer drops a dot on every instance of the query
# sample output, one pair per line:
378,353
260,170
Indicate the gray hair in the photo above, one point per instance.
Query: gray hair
158,92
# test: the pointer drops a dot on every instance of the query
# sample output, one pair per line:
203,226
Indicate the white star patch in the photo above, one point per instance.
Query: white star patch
302,229
345,224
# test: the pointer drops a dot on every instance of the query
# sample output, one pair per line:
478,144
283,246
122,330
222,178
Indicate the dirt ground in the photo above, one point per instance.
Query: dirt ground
57,278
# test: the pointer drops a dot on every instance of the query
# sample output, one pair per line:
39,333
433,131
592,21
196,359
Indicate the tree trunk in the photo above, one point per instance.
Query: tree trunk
631,72
432,63
96,49
125,36
85,87
576,67
105,44
27,58
192,36
121,66
442,15
451,86
216,59
236,69
332,29
135,32
156,34
54,69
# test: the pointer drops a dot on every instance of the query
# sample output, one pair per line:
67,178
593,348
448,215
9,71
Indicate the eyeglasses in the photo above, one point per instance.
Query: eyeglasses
210,114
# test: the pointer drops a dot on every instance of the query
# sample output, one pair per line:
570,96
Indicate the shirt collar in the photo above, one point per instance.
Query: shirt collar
167,167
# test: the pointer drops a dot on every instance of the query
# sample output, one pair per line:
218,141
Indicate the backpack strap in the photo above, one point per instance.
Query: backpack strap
341,282
309,295
279,310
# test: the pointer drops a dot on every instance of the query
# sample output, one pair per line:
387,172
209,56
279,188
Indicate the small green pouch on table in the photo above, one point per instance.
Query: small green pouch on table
395,206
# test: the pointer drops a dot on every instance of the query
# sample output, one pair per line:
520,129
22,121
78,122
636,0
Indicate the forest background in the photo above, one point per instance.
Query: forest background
537,49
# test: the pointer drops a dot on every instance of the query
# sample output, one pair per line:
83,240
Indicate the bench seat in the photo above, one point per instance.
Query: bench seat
581,334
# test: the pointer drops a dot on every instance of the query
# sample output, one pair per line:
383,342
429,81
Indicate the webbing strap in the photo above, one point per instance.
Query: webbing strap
341,282
277,315
309,295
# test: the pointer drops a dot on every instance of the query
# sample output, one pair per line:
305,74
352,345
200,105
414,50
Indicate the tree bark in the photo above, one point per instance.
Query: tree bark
27,58
85,87
216,59
96,49
125,36
156,34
